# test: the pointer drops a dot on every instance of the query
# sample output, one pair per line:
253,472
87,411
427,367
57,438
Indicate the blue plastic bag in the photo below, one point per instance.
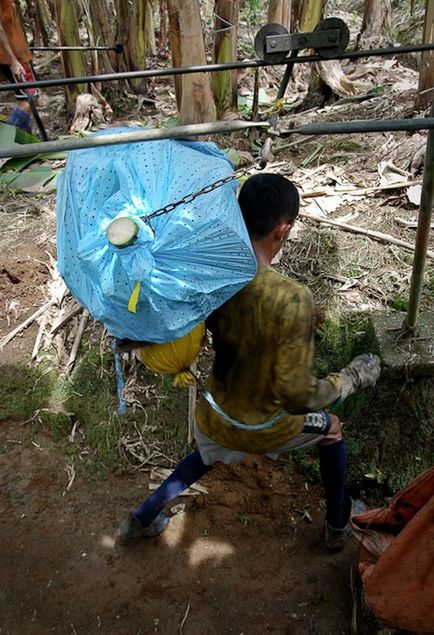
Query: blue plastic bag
188,261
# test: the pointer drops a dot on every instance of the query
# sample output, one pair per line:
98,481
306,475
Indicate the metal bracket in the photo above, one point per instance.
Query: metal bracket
299,41
329,39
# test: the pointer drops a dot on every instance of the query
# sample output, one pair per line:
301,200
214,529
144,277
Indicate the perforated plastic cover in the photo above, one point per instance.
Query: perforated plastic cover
188,262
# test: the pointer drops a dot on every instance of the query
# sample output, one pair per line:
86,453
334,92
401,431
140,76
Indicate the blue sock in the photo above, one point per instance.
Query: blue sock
20,119
333,468
190,470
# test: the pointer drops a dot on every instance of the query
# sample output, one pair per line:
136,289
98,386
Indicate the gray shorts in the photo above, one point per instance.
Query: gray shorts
316,428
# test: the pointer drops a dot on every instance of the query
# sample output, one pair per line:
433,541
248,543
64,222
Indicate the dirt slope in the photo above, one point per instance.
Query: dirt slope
242,559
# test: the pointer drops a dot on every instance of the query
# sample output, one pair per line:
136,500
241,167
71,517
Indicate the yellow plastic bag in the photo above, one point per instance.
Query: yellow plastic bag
175,358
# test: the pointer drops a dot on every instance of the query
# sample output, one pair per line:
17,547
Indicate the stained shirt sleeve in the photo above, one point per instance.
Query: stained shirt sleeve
297,388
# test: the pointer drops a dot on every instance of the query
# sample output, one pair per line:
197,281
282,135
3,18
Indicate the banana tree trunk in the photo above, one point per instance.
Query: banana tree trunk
296,6
327,78
279,12
151,46
311,13
193,92
73,62
103,34
426,74
45,20
163,25
377,26
40,20
225,51
122,30
131,33
137,43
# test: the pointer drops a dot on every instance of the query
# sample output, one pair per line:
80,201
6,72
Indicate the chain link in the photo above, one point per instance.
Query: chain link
193,195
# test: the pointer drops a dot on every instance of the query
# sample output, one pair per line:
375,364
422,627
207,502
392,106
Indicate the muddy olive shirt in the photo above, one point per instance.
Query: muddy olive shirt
14,32
263,339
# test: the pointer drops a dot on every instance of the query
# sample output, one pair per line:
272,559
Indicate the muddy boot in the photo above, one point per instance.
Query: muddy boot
335,539
132,529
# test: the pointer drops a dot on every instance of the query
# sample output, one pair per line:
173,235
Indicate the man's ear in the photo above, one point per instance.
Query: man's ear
282,231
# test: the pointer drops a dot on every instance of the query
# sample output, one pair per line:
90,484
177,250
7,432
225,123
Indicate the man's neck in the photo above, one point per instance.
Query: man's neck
264,252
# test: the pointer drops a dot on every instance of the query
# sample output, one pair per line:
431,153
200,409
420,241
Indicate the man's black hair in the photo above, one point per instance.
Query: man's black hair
267,200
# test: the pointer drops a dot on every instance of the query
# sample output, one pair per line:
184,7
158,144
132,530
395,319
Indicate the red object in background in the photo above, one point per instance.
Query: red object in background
28,77
397,557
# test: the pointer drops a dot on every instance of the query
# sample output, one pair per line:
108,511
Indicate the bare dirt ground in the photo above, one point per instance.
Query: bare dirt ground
241,559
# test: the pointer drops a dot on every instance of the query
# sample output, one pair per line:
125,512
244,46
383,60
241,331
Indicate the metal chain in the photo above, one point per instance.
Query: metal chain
191,197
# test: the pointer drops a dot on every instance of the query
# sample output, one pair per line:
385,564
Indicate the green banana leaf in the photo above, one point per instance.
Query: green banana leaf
19,174
10,135
33,180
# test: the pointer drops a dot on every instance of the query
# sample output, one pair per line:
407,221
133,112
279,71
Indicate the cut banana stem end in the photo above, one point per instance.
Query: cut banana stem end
122,232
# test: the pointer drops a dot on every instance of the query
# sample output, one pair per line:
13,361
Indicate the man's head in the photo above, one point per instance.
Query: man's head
269,204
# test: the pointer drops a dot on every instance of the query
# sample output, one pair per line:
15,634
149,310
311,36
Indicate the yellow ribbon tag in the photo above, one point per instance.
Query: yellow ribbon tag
134,298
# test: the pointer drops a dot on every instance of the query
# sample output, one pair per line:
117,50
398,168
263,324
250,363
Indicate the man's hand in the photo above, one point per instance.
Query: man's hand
17,69
362,372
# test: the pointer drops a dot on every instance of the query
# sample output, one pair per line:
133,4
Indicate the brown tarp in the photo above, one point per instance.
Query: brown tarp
397,557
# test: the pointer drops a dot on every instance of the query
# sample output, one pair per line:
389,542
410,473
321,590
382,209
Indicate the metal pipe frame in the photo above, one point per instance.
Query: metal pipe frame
211,68
135,136
362,126
422,234
176,132
102,47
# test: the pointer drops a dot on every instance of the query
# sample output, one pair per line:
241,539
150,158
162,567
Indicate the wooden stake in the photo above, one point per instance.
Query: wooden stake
77,341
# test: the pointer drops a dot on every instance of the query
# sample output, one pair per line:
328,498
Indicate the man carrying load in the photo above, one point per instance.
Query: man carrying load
262,397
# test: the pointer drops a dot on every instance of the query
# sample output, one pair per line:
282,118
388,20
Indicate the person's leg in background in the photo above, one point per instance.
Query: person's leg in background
20,115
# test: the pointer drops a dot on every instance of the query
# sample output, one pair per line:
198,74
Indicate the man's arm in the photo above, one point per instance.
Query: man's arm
297,387
16,66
